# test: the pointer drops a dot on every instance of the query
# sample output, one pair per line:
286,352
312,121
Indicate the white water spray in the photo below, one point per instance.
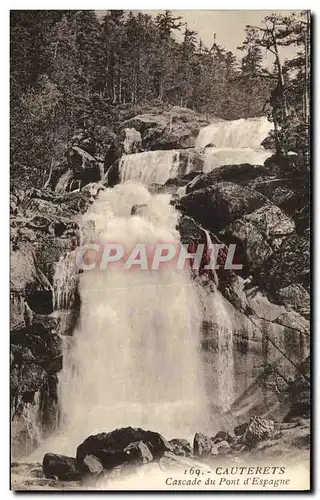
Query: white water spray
235,142
150,167
242,133
135,358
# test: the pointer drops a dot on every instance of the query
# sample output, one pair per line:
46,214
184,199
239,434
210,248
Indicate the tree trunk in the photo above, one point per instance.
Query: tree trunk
281,77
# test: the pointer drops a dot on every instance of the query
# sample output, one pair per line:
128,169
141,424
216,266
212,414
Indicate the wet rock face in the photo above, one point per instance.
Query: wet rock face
138,453
36,357
44,228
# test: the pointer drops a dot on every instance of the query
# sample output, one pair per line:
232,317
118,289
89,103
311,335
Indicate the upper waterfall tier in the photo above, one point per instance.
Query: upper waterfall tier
232,143
242,133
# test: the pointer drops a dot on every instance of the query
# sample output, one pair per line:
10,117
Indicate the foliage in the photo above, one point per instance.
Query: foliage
290,97
71,69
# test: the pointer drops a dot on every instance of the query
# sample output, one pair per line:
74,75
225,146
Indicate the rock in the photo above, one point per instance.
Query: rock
252,250
60,467
240,429
290,264
289,165
220,448
201,445
293,320
84,166
233,291
28,379
28,280
272,223
239,174
110,447
215,207
22,354
296,297
138,452
128,141
269,142
174,129
259,233
222,436
92,465
257,430
43,342
181,447
138,209
300,393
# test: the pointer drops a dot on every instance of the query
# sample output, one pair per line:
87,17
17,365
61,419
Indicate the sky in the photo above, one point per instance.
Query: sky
229,26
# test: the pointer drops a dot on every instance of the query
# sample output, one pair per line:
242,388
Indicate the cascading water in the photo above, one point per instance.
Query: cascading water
242,133
217,157
135,358
149,167
235,142
231,143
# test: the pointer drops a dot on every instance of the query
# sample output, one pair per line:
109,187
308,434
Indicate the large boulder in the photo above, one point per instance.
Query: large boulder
258,234
174,129
82,168
121,446
181,447
128,141
239,174
202,445
60,467
86,168
216,206
289,265
258,429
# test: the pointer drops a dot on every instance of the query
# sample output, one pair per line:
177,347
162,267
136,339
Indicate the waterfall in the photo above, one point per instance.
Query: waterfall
242,133
149,167
234,142
231,143
215,314
135,358
65,281
217,157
